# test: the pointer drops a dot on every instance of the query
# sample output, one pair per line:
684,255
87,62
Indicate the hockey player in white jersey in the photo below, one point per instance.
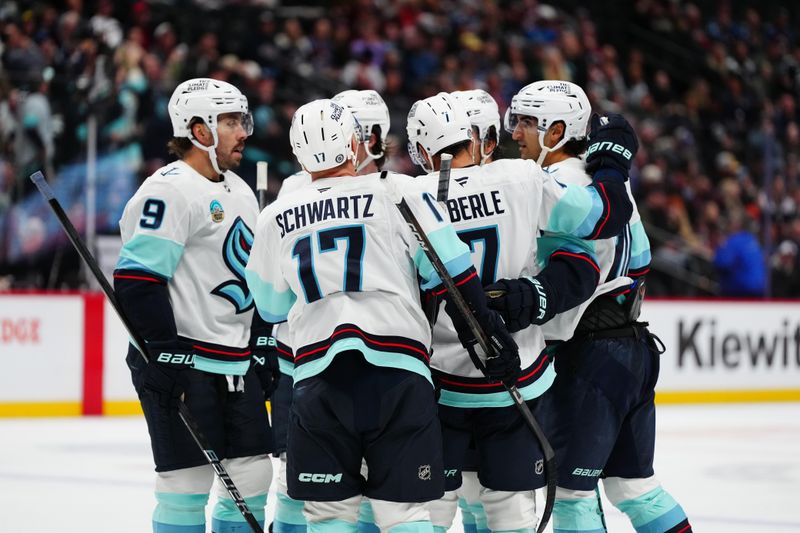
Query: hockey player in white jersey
498,209
599,414
484,117
372,117
339,262
186,237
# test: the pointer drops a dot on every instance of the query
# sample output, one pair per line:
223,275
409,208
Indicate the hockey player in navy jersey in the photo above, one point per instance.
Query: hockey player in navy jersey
498,209
339,262
372,117
186,237
599,414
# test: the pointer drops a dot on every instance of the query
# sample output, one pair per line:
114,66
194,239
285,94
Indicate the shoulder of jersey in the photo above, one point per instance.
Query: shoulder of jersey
172,180
235,181
298,180
571,171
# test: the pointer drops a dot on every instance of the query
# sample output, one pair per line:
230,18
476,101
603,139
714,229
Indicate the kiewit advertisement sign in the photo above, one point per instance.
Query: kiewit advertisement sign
727,350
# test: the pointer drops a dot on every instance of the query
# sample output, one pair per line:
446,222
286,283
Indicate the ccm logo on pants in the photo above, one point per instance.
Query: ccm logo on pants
319,478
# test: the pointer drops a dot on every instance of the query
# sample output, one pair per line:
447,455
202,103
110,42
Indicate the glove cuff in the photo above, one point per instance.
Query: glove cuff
610,173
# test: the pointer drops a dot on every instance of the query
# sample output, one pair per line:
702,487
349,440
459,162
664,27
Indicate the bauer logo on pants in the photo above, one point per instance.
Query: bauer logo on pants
424,472
539,467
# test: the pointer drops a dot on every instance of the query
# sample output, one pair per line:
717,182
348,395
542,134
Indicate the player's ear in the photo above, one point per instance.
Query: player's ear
557,130
201,133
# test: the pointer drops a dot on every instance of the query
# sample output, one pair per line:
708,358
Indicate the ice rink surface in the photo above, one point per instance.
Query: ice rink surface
733,468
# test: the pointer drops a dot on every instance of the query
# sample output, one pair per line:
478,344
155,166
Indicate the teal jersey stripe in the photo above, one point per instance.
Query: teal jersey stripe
272,305
285,366
551,242
577,516
577,212
151,253
227,368
498,399
640,247
375,357
451,250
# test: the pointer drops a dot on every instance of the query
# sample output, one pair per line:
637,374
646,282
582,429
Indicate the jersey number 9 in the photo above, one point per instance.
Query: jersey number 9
152,214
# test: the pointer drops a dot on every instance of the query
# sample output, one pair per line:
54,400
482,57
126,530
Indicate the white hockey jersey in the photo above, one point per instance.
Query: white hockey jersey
616,257
281,332
339,262
296,181
498,209
197,234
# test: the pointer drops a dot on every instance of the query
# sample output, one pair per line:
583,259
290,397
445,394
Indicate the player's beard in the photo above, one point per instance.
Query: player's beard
229,161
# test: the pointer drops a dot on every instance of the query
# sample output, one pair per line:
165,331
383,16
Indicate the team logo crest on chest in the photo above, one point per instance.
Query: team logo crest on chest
217,212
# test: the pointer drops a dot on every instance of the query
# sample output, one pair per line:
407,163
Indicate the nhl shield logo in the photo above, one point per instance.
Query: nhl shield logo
217,213
424,472
539,467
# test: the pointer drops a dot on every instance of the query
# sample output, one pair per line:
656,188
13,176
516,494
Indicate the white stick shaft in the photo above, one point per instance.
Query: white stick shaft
261,176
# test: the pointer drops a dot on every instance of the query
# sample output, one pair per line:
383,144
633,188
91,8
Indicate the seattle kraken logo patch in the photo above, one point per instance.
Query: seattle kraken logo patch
235,252
217,213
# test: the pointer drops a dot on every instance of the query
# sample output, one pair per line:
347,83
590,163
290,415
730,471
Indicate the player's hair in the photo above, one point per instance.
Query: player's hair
454,149
376,131
180,146
575,148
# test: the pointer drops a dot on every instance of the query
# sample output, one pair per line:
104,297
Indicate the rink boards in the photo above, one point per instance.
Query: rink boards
63,354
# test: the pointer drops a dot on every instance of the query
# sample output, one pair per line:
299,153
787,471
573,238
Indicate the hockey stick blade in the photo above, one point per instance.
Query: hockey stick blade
488,348
183,411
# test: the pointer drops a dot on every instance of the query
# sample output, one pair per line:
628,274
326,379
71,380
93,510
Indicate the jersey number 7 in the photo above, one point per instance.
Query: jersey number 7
328,240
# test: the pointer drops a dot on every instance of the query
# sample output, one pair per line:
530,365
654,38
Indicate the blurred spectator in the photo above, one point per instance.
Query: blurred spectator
739,261
786,271
711,87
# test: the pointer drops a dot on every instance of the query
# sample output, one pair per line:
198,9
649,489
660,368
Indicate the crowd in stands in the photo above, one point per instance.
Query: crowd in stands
711,87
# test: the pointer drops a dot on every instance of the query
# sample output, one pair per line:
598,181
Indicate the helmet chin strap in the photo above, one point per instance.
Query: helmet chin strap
485,155
212,150
546,150
370,157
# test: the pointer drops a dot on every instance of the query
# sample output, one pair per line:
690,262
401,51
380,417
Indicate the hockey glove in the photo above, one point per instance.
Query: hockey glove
612,145
521,302
264,362
504,363
166,371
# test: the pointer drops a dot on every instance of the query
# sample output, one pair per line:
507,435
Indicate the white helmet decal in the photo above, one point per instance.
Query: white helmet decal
434,124
322,135
551,101
483,113
369,110
206,99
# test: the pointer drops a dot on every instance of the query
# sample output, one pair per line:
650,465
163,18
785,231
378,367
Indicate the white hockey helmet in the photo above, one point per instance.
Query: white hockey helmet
434,124
483,113
206,99
322,135
550,101
369,110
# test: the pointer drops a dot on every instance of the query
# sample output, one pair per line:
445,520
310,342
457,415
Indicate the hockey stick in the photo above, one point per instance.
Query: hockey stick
487,345
183,411
444,178
261,184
